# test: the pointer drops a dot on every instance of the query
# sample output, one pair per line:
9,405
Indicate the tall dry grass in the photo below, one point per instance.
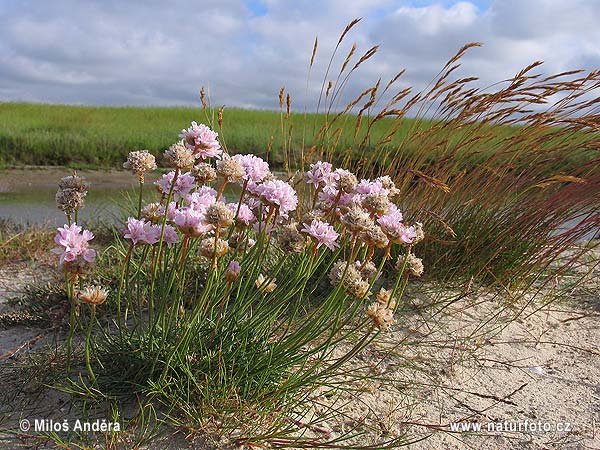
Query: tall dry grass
508,176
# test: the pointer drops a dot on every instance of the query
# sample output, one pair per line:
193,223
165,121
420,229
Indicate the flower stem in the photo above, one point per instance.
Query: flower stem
87,343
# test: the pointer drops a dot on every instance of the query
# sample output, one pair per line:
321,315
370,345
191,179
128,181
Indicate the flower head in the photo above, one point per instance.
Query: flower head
322,233
264,285
233,271
178,155
190,222
139,162
183,184
245,216
204,173
73,244
93,295
142,232
382,317
321,173
255,168
201,140
279,194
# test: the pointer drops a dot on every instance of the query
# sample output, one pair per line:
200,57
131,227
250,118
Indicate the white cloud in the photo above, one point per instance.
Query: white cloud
156,52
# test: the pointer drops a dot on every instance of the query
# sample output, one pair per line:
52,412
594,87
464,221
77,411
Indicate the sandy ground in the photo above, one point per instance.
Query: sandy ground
535,381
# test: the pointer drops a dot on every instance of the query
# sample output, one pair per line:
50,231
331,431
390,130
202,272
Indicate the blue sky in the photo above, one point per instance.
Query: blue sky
158,52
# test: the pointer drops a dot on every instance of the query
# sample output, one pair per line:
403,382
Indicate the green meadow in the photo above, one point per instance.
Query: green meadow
85,136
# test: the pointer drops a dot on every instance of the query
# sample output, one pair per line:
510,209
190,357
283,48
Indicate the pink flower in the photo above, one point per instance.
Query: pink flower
183,185
321,173
171,210
255,168
233,271
203,197
322,233
73,242
278,193
191,222
201,140
370,187
141,231
408,235
245,214
170,236
392,226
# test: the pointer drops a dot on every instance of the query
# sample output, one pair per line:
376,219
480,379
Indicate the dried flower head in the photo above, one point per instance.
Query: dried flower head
413,265
178,155
93,295
263,286
69,200
356,219
213,248
419,233
350,279
233,271
346,181
230,169
375,237
152,212
139,162
389,185
219,215
290,240
376,203
204,173
367,270
382,317
384,298
74,182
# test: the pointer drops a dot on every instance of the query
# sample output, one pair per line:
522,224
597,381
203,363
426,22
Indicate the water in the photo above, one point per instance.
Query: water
27,195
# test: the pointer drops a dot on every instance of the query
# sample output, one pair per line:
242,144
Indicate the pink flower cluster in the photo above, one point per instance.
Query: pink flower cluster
202,141
73,244
144,232
322,233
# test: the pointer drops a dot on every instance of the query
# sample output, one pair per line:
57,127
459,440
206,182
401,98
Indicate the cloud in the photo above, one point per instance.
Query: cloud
154,52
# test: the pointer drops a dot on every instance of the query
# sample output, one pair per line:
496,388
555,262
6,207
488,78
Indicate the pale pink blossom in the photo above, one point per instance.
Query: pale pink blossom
191,222
255,168
183,185
171,210
170,237
322,233
201,140
73,242
140,231
320,173
279,194
202,198
245,214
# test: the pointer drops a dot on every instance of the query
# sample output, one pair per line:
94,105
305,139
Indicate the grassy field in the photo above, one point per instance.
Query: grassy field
84,136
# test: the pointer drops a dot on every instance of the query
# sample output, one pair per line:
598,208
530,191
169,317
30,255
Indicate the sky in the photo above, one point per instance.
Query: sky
158,52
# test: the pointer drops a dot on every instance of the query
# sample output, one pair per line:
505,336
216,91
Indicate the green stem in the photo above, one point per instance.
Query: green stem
87,343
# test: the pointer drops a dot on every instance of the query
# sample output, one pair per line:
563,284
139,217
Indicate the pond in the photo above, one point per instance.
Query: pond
27,195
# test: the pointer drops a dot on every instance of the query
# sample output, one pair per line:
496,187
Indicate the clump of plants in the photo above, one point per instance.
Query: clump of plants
236,285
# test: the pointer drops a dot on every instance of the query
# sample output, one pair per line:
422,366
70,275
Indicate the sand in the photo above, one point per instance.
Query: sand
534,380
